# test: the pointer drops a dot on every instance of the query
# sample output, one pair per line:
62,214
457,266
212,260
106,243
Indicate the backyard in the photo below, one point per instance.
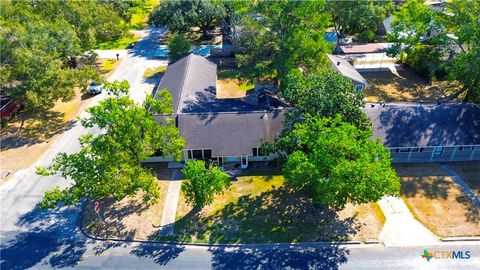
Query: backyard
437,201
405,85
261,208
230,84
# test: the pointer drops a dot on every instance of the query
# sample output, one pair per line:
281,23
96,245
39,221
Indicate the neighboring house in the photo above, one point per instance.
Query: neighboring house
346,69
428,132
228,130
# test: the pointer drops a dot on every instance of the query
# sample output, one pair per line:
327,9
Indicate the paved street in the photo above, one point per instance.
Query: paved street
41,239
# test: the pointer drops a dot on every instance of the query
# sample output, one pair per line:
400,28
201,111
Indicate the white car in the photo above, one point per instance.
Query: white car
95,88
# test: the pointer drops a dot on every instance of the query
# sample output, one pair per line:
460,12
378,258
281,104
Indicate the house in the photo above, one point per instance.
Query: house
227,130
346,69
416,132
231,130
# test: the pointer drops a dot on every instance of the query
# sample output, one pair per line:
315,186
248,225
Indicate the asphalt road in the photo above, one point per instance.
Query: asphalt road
45,239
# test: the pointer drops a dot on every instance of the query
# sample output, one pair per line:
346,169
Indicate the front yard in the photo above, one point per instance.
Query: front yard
262,209
470,173
437,201
129,218
405,85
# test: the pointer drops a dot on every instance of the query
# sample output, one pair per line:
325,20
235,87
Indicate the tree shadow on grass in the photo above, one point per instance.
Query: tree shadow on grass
281,215
276,257
51,239
432,187
472,213
36,129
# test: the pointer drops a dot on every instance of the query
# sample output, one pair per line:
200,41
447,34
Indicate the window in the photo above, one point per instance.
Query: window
207,153
414,149
461,148
189,153
257,152
359,87
197,154
438,151
404,150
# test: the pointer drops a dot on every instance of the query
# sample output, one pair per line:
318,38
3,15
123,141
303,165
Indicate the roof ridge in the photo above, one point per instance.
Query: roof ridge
187,68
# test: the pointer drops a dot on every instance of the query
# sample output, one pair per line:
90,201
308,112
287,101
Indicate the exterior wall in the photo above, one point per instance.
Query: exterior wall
428,154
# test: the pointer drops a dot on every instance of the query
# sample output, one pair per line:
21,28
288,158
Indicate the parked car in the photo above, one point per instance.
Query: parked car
95,88
8,106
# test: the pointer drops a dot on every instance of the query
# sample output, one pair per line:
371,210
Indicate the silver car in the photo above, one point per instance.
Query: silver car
95,88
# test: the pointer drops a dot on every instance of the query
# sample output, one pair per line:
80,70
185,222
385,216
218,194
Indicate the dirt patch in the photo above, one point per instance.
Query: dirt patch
437,201
21,149
129,218
470,173
261,209
405,85
232,88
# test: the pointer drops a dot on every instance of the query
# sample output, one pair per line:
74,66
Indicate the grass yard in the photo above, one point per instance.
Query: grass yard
139,19
106,66
437,202
261,209
20,149
230,85
129,218
118,44
154,72
470,173
404,86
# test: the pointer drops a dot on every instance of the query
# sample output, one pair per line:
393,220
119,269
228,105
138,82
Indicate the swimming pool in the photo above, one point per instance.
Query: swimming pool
202,50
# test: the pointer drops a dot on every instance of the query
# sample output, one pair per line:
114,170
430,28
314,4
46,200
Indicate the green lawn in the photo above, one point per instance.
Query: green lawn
154,72
118,44
139,19
262,209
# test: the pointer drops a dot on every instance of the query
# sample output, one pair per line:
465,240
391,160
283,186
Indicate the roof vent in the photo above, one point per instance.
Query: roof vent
338,63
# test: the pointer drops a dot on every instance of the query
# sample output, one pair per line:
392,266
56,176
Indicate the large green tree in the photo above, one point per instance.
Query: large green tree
202,183
181,15
42,46
337,163
278,36
178,46
326,93
109,164
359,18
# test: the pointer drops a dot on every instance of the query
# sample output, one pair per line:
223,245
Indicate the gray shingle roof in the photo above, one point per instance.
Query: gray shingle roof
411,125
229,134
187,77
346,69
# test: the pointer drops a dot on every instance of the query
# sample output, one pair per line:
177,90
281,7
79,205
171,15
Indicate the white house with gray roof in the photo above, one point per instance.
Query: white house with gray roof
348,70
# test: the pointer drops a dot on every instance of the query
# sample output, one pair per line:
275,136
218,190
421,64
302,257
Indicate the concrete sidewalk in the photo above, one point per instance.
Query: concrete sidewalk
459,181
401,228
171,202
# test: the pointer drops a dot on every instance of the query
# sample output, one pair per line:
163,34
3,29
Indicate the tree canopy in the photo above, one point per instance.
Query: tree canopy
277,36
180,16
42,45
438,40
202,183
109,164
359,18
326,93
178,46
337,163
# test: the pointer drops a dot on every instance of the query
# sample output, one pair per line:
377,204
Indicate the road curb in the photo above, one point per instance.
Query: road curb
460,239
222,245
